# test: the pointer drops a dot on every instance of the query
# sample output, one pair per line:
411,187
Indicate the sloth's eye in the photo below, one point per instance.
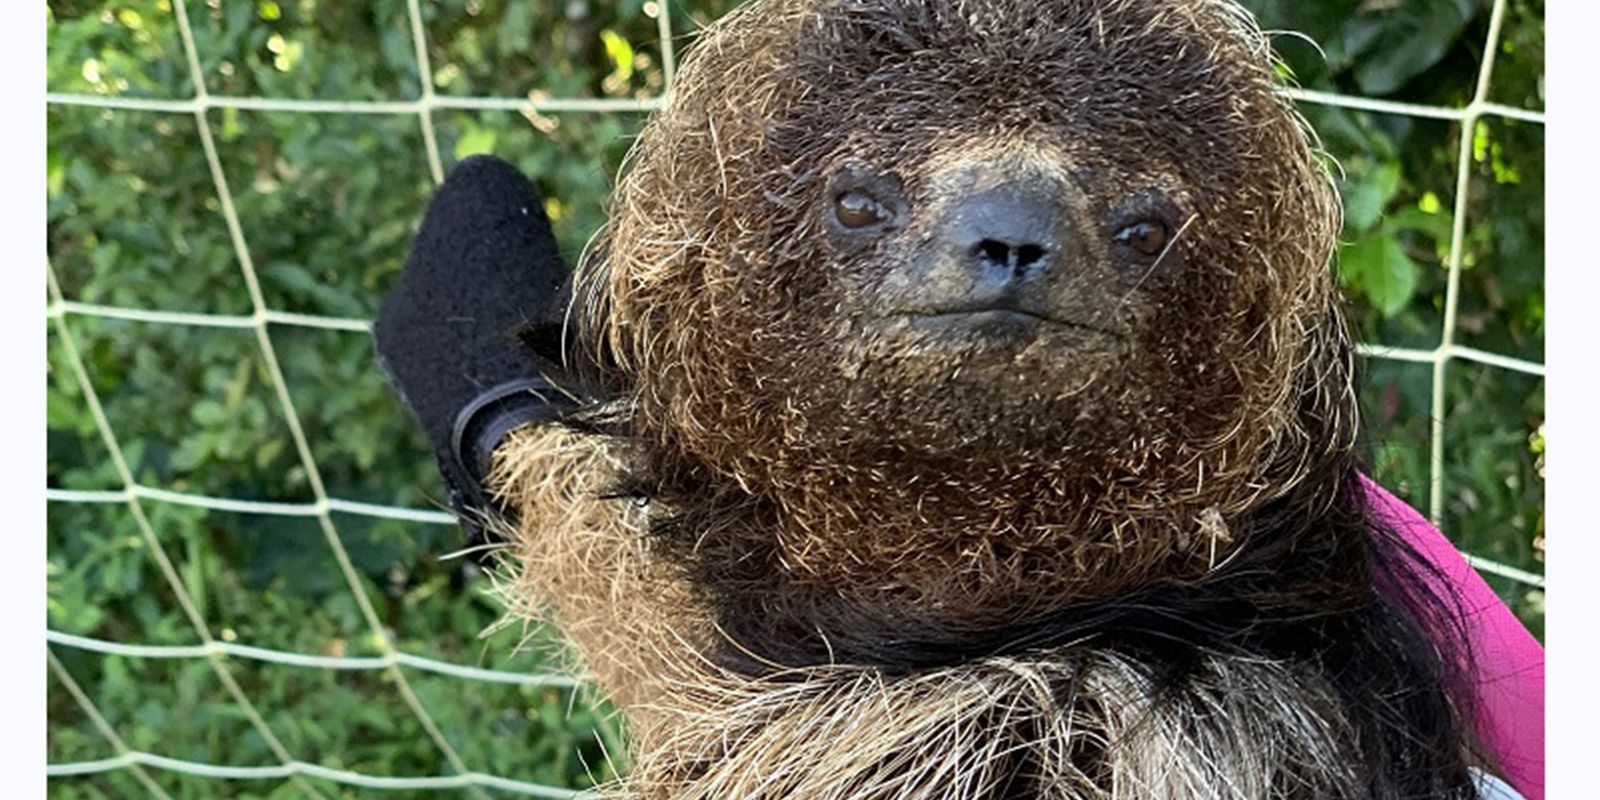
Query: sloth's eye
857,209
1147,238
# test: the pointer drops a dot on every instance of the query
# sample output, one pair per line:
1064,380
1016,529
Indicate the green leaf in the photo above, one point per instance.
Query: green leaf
1365,200
1380,268
61,411
1294,22
208,413
477,141
1435,225
620,53
516,28
55,173
1411,37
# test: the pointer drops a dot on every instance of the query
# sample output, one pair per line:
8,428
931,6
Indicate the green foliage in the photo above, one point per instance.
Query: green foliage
328,203
265,48
1398,177
124,48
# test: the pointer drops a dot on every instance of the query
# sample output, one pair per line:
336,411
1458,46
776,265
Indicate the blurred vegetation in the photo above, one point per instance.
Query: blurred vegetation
1398,178
328,203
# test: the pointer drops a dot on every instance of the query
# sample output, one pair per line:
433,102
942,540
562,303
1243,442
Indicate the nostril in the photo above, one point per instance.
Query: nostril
993,252
1028,255
1016,259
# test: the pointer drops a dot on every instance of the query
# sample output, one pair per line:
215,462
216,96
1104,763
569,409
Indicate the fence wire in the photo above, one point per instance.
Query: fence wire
263,318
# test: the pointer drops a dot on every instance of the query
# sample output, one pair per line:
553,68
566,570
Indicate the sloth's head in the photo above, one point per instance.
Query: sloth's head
1040,279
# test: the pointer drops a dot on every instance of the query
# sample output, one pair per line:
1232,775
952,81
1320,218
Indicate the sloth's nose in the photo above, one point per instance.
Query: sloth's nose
1007,234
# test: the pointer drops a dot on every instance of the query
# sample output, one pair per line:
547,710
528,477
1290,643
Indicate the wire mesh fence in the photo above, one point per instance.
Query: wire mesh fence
264,323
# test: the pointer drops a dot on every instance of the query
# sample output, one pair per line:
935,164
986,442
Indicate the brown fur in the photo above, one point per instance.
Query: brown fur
776,473
711,288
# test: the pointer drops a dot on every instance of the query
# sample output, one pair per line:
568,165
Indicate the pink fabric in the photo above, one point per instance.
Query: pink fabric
1510,661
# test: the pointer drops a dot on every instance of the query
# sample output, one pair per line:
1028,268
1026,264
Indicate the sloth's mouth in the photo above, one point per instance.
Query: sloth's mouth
1001,319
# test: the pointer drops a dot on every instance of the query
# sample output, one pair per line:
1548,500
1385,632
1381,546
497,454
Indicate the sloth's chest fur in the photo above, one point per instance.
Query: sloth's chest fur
1081,722
1283,675
1184,691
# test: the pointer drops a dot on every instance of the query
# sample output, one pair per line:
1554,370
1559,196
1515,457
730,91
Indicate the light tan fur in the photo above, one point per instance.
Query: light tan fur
849,732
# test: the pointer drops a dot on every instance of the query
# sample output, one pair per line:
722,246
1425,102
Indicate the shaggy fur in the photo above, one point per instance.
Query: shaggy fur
813,552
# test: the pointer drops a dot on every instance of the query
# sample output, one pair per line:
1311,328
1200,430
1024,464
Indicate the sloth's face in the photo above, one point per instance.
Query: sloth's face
1008,291
1001,251
907,238
1022,234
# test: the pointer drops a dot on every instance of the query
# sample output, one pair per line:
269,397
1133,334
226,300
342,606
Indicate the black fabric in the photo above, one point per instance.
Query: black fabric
484,269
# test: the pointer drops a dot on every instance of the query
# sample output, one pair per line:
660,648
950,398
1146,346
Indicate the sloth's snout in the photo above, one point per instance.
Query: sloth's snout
1006,249
1005,235
1005,238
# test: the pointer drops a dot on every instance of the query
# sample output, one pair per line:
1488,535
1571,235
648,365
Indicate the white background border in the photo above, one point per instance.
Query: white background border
1572,349
22,395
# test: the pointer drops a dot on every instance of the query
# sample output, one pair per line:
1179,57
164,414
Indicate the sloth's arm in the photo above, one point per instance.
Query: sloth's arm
483,269
483,266
583,560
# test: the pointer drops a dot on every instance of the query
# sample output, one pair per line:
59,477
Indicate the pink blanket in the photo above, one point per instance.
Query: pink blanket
1510,661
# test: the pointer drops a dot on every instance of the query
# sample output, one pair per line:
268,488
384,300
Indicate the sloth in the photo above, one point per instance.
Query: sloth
957,404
